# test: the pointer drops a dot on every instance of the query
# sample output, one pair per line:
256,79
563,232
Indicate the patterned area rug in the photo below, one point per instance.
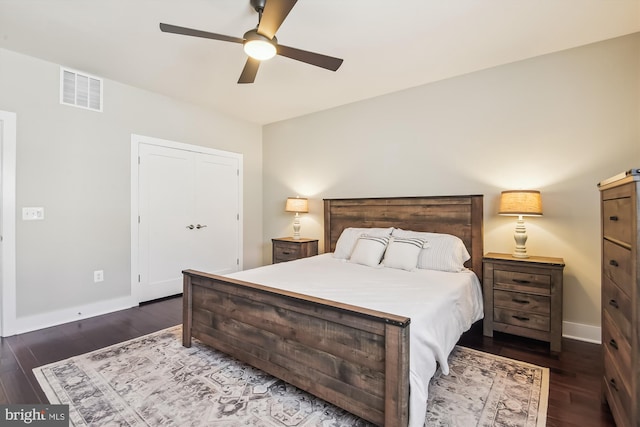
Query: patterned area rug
155,381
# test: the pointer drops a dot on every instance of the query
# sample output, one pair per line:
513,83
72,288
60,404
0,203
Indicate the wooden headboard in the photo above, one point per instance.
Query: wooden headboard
457,215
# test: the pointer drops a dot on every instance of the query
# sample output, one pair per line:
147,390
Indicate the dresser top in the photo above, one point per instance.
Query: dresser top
622,178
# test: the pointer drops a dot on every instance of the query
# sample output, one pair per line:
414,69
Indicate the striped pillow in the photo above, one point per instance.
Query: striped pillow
369,250
403,253
443,252
349,237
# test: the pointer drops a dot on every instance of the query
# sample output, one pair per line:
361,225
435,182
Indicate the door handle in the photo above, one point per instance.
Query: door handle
190,227
200,226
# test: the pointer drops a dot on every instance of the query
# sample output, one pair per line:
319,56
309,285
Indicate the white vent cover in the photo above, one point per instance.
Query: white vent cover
80,89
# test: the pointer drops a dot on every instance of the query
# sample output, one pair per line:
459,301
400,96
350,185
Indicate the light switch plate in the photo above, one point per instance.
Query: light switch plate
32,214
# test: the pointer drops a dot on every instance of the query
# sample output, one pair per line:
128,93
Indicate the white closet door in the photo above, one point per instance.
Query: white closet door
167,197
189,216
216,242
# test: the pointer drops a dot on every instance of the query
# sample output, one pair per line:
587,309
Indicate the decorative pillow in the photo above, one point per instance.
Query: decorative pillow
347,240
403,253
441,252
369,250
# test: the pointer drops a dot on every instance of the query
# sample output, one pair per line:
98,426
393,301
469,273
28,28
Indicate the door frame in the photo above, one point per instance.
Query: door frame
8,259
136,141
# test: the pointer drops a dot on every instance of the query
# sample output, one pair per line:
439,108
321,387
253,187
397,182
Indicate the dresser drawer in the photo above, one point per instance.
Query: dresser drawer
617,265
617,394
520,301
617,305
539,284
521,318
286,252
616,218
617,345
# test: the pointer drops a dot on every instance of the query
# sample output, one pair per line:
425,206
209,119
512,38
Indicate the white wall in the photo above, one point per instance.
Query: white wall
559,123
76,164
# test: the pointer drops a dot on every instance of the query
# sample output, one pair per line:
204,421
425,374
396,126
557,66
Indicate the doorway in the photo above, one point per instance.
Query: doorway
187,214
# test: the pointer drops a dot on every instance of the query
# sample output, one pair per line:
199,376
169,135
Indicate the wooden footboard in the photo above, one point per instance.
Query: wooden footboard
355,358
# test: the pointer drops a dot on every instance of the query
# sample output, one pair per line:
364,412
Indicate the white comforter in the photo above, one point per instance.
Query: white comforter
441,306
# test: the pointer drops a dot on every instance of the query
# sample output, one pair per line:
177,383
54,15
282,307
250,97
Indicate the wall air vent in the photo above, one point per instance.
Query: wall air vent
80,89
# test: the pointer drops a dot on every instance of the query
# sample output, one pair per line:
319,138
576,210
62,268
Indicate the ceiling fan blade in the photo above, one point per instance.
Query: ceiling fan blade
168,28
249,71
317,59
273,15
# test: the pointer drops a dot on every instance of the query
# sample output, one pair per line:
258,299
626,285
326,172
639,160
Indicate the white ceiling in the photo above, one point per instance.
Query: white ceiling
386,45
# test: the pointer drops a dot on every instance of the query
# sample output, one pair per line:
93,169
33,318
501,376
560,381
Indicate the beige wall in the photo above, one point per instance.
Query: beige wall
76,164
559,123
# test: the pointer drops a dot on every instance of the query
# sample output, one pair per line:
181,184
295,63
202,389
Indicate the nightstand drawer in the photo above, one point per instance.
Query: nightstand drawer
616,216
520,301
616,265
286,251
539,284
521,318
289,249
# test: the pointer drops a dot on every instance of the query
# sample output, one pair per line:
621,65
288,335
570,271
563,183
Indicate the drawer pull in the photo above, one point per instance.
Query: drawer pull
520,301
521,318
613,218
613,343
613,303
521,282
614,263
286,253
613,384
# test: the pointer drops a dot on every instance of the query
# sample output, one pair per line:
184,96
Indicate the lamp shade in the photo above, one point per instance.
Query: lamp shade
520,202
297,204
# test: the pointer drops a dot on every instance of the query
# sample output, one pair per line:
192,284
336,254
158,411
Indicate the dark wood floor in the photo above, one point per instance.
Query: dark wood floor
574,397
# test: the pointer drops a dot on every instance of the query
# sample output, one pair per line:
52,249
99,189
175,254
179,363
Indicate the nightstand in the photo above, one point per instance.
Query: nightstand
523,296
288,248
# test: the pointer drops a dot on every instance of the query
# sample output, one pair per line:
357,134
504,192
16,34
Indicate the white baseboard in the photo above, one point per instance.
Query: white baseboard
581,332
46,320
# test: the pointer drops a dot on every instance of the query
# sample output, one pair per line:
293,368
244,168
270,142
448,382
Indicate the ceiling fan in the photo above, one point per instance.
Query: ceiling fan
260,43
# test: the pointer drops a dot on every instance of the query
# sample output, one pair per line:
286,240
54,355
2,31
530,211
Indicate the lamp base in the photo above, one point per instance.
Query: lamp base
520,255
296,227
520,236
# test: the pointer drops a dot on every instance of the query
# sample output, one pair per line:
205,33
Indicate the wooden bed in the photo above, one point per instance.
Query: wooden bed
355,358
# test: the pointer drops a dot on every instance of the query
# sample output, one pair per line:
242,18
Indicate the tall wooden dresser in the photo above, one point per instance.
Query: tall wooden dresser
620,217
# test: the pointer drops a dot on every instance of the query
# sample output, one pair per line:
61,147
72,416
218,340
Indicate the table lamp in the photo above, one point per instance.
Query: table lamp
297,205
520,203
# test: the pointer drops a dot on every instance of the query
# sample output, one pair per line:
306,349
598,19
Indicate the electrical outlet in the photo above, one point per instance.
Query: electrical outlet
31,214
98,276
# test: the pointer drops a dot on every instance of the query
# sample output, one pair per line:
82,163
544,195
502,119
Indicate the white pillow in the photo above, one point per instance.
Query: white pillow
369,250
443,252
403,253
347,240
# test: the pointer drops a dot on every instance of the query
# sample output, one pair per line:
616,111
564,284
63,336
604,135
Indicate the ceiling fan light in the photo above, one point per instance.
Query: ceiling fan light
259,49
